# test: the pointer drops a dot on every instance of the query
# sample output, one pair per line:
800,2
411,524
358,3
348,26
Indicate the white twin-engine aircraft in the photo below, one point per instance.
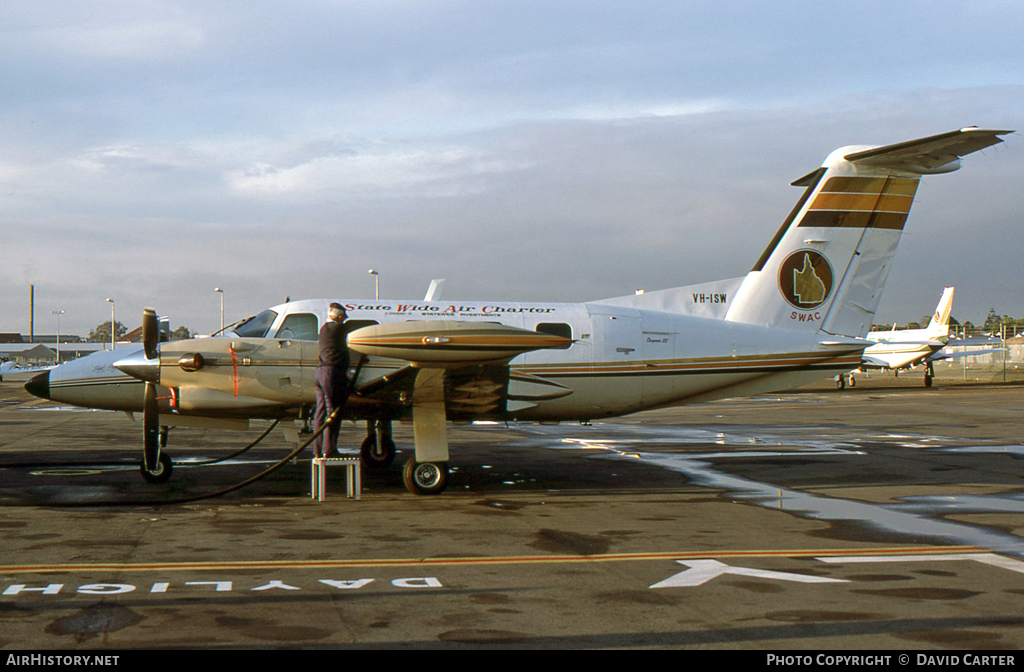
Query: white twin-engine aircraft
799,315
900,349
906,348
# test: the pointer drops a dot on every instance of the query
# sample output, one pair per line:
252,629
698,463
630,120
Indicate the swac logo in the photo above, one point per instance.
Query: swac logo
805,279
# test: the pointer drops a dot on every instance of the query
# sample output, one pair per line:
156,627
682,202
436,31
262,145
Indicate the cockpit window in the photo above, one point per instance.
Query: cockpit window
300,326
256,326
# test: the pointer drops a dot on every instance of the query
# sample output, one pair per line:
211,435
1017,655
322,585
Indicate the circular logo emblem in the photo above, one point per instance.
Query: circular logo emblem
805,279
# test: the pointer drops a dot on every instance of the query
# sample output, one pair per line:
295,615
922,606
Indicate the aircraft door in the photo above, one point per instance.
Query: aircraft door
617,359
279,368
660,336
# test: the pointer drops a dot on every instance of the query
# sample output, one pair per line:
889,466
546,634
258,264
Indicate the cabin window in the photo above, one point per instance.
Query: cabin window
299,326
256,326
556,329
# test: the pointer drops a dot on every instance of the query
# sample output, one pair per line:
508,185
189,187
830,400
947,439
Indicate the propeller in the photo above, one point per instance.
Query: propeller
150,333
156,468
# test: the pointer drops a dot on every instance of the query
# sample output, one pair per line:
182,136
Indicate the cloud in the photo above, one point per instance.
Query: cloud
393,172
536,151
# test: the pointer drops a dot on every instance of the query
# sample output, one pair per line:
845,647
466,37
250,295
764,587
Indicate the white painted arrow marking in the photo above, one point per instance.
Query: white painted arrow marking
702,571
985,558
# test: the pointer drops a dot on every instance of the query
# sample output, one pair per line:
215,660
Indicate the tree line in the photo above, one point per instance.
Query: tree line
993,325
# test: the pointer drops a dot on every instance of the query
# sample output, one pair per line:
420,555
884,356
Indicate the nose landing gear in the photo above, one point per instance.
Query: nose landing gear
378,448
159,472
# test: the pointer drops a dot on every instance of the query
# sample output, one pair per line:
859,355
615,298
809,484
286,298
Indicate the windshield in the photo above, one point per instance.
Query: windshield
257,326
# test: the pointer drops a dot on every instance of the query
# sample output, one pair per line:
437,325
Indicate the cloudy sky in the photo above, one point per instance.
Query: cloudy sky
523,150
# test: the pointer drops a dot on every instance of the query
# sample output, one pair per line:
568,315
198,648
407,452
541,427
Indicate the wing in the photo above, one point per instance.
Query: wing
941,354
465,365
994,345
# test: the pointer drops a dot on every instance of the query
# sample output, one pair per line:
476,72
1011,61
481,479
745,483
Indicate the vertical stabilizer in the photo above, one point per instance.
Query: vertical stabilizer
826,267
939,325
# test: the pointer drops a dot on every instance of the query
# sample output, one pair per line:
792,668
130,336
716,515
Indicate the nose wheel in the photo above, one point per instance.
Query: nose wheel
159,472
378,448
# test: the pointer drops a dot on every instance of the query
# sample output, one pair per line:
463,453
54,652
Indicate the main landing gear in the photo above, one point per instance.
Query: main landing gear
378,453
425,478
845,379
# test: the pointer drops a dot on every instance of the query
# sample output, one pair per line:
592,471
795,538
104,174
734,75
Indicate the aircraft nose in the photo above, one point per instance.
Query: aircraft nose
39,385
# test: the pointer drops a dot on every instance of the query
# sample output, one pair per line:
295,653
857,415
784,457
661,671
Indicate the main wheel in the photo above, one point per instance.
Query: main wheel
377,457
425,478
161,472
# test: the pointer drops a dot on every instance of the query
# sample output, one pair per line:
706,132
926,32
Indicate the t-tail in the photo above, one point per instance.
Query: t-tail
826,267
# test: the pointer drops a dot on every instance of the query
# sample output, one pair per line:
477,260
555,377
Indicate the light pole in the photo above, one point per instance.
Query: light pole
376,284
58,313
221,292
112,342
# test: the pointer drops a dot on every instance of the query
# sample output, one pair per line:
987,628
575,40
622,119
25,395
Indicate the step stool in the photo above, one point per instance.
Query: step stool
318,476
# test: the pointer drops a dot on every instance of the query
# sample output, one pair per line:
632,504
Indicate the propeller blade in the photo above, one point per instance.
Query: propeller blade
150,429
150,333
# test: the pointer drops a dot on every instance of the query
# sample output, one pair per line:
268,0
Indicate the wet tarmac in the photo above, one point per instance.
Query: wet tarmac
887,516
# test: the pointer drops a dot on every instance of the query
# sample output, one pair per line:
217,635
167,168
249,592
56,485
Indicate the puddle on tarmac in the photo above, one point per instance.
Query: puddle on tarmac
914,516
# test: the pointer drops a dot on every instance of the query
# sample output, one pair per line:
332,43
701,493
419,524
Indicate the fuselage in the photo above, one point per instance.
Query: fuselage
621,360
899,349
11,371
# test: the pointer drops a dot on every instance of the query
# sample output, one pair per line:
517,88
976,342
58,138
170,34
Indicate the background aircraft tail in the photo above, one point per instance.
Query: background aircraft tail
939,325
826,266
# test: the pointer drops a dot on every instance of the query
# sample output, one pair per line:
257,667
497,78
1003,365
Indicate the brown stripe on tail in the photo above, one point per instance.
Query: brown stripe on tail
862,202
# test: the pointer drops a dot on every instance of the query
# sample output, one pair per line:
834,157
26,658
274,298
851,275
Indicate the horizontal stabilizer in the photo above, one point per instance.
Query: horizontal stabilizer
936,153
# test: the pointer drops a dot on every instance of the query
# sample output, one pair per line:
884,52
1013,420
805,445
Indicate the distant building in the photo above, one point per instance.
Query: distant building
46,353
52,338
80,349
28,353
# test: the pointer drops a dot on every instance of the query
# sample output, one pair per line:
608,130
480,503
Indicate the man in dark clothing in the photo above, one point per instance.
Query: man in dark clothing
331,379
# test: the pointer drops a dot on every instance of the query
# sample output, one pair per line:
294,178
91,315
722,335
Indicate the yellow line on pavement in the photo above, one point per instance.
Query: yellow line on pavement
470,561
